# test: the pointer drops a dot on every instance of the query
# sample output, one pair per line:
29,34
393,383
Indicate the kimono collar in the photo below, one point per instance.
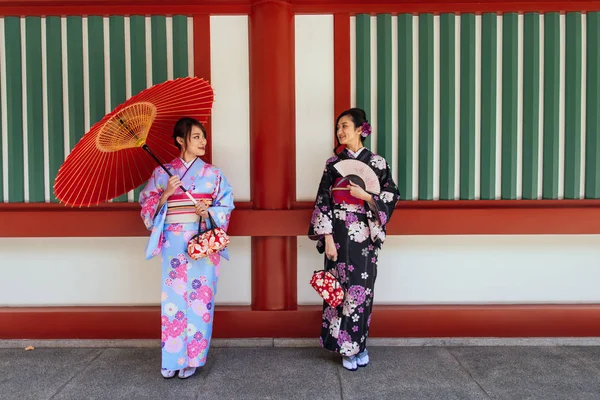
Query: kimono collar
355,154
187,164
362,154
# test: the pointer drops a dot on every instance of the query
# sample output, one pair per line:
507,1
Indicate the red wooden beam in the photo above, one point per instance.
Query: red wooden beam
272,152
572,320
202,67
440,6
191,7
341,62
468,217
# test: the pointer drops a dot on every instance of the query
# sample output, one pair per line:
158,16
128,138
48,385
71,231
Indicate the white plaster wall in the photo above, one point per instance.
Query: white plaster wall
231,110
314,101
476,269
101,271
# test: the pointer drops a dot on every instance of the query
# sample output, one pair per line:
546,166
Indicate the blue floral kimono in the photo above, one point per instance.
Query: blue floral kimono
188,287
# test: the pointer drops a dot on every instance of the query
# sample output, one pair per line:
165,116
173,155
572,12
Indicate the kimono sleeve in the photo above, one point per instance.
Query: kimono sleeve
222,203
150,197
321,222
385,202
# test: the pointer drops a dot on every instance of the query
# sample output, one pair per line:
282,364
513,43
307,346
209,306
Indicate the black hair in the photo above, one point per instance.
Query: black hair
358,116
183,129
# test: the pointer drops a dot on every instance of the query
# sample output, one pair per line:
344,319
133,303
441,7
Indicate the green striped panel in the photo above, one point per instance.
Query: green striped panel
467,106
65,77
117,68
14,91
447,106
384,85
54,99
426,106
363,65
75,80
551,104
488,106
510,76
405,105
592,141
35,122
531,104
573,79
180,46
137,37
159,48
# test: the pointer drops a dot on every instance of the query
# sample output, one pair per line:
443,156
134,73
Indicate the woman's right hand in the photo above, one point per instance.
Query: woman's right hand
172,186
330,249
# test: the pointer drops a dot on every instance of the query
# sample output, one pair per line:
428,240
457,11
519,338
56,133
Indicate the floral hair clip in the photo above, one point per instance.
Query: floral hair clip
366,129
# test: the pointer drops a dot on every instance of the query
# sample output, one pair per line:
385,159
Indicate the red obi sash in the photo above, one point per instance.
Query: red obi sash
342,195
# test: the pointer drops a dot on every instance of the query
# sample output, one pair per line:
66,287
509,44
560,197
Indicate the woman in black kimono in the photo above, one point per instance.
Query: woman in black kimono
349,225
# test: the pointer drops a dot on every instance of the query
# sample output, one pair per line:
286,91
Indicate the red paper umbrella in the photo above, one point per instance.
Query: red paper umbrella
120,152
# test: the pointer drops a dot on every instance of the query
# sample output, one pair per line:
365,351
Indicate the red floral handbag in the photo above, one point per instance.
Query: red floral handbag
208,242
328,287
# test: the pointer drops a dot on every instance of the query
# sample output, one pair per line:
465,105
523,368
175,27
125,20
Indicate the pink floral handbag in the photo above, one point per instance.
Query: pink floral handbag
208,242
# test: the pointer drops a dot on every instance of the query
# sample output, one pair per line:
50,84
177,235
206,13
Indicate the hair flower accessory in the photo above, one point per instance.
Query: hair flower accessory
366,129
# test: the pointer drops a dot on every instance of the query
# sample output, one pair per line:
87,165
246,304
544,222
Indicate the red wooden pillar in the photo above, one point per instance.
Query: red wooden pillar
272,145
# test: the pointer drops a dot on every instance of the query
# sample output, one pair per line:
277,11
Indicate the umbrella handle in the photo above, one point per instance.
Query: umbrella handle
145,147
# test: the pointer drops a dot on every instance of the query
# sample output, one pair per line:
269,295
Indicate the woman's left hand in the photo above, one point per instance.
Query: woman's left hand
202,209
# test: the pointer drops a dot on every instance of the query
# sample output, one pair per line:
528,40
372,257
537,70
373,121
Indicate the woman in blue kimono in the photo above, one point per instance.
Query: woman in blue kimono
188,286
350,225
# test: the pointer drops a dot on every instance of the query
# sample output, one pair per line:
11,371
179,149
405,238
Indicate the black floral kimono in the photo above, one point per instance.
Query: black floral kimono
359,232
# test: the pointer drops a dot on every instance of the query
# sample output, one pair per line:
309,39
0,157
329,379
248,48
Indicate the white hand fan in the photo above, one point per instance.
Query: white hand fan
359,173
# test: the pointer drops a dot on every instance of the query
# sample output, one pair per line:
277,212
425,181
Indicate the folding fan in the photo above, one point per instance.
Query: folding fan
360,173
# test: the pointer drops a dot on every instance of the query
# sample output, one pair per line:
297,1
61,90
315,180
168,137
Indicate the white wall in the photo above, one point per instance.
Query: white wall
101,271
314,101
412,270
476,269
231,110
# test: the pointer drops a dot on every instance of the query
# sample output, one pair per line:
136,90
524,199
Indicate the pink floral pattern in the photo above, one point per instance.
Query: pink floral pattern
358,229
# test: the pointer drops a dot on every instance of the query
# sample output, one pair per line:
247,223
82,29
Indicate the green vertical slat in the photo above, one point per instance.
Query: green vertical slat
35,123
363,65
137,35
447,106
117,61
96,68
384,85
405,105
592,141
551,104
531,104
54,100
488,106
467,106
12,34
426,106
118,93
510,76
75,80
573,52
159,49
180,46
